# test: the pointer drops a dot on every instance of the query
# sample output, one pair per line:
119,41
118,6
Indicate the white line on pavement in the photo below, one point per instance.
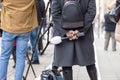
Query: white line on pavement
97,65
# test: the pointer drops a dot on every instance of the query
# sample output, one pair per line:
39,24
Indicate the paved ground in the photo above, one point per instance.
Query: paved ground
108,63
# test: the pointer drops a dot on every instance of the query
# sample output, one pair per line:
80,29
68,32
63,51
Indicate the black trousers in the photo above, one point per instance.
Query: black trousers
0,33
68,72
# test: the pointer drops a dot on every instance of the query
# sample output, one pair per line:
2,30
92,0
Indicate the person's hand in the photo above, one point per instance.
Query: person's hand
70,33
75,35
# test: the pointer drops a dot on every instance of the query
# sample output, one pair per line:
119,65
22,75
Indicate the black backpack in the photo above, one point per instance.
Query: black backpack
72,16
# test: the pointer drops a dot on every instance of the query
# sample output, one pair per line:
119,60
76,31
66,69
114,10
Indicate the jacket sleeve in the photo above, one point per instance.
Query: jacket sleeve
56,18
89,15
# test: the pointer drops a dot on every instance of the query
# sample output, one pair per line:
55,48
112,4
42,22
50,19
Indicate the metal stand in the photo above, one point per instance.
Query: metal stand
48,30
36,42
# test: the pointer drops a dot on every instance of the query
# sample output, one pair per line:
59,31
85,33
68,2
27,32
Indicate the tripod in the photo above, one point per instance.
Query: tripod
48,29
36,42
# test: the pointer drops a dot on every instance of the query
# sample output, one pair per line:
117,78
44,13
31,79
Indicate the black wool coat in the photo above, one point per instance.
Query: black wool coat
40,5
77,52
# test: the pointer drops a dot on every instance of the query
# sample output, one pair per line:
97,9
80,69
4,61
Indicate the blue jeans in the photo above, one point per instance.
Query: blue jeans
21,47
33,37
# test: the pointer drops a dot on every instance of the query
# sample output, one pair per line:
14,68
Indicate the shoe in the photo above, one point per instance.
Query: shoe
105,49
34,62
114,50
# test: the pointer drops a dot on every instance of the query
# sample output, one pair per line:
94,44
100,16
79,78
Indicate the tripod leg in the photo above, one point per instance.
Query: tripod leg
44,48
47,38
24,78
30,65
46,44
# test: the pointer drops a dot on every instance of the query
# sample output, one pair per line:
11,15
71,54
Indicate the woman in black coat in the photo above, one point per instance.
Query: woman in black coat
74,51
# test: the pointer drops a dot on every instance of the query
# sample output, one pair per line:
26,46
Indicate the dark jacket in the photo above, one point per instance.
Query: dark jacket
40,5
117,2
77,52
109,25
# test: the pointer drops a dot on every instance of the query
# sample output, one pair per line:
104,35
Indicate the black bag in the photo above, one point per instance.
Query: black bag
114,15
51,75
72,16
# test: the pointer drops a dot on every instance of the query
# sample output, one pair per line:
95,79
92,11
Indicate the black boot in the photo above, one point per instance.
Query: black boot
91,69
67,73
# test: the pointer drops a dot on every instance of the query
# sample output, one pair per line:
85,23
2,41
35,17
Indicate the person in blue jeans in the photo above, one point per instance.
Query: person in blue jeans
33,37
40,6
17,20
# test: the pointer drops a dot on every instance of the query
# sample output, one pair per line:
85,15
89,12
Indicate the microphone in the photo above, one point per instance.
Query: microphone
58,39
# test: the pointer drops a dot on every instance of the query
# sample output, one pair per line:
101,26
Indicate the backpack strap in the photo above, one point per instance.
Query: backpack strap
72,0
78,0
63,1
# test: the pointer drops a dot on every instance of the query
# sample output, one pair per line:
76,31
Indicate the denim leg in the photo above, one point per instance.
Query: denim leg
29,46
7,45
21,48
33,37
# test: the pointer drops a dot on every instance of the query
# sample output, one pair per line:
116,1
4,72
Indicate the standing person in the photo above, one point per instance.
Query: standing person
34,46
109,32
18,18
41,14
40,6
75,51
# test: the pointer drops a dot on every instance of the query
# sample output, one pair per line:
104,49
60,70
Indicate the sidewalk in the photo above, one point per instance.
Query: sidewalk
107,63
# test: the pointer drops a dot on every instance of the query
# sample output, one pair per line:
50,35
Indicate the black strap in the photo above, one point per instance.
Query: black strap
62,2
72,0
78,0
